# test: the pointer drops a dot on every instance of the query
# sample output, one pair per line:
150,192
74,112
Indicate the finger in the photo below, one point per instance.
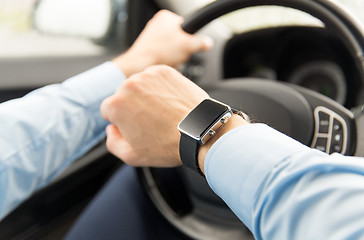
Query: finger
117,145
111,107
104,109
201,43
167,15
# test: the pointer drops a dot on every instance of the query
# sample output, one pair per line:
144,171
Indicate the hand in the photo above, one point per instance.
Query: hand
145,112
161,42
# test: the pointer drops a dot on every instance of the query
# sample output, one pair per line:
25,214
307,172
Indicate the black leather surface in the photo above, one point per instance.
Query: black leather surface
188,149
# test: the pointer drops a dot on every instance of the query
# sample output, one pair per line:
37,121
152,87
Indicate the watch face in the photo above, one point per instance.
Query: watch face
202,118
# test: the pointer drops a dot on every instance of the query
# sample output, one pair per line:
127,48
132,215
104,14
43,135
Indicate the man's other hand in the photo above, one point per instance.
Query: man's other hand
162,41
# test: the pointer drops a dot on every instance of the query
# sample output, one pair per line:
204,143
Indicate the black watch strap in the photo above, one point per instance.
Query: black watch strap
188,149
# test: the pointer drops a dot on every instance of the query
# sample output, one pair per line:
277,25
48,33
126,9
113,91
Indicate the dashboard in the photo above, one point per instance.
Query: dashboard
306,56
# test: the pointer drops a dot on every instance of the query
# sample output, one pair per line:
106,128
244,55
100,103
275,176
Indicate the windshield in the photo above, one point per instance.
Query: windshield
271,16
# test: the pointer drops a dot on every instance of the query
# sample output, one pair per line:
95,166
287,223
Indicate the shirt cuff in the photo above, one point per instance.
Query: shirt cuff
96,84
239,162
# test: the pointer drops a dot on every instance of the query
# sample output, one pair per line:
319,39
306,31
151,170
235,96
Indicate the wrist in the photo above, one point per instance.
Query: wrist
202,127
234,122
132,62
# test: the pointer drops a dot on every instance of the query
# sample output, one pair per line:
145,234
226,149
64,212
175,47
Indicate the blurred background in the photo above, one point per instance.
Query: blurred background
51,40
19,38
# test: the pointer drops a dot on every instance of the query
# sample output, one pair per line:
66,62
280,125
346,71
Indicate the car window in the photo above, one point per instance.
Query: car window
31,58
19,39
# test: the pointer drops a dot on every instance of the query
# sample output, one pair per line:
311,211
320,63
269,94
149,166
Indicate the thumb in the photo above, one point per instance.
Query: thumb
201,43
118,146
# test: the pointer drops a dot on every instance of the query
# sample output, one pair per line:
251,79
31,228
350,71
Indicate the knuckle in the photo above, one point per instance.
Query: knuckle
165,68
114,101
148,74
150,70
169,16
162,73
159,70
112,106
162,13
106,105
131,85
167,71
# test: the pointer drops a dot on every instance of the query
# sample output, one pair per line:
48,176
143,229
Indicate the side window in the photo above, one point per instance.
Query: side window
46,41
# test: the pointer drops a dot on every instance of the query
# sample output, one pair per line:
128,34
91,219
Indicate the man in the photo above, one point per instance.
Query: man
278,187
45,131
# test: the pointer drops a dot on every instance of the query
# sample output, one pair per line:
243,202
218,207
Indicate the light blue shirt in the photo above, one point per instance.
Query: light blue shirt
284,190
43,132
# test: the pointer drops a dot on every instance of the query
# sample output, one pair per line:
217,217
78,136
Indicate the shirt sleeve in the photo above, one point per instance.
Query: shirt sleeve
45,131
282,189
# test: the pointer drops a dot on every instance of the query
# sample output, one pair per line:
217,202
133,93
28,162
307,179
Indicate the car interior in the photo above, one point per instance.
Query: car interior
299,65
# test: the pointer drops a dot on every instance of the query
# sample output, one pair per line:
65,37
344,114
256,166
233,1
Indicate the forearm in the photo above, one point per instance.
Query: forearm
45,131
281,189
312,197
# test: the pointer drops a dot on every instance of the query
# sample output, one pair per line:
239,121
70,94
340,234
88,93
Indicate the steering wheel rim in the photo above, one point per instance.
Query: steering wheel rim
330,13
334,18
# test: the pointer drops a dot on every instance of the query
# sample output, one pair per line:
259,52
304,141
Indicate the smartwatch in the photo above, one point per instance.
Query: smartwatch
202,123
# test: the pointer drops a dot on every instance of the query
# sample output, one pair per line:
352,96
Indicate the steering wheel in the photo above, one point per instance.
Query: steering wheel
185,199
